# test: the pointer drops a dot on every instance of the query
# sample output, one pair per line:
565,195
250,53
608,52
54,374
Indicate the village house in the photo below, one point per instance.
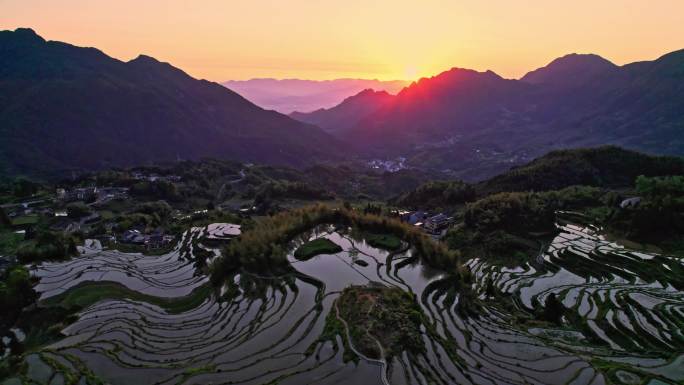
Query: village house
134,237
112,193
413,217
435,224
77,194
156,240
432,224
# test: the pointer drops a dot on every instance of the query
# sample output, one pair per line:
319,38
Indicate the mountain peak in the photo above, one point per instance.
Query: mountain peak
573,68
368,92
466,72
145,59
21,36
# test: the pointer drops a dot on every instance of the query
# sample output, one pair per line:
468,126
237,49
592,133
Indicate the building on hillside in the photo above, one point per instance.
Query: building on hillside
413,217
78,194
133,236
112,193
157,239
435,224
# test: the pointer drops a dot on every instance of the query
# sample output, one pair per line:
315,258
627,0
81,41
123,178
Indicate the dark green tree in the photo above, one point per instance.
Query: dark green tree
5,222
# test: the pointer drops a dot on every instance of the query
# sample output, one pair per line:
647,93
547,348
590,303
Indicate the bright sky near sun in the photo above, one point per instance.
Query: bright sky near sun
389,39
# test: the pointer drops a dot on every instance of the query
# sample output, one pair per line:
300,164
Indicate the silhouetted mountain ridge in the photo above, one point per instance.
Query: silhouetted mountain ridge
348,113
570,70
574,101
65,107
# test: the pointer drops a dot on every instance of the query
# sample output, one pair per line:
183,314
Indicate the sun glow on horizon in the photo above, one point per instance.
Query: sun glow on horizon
411,73
385,40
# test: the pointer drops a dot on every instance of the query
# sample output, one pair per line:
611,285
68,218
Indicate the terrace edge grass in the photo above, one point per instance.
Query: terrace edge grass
317,246
88,293
389,242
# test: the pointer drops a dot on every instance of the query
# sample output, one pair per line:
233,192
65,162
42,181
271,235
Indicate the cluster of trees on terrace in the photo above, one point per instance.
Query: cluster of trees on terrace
16,292
47,245
514,224
659,216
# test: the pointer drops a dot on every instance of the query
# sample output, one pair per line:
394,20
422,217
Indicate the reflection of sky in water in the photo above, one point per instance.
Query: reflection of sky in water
255,340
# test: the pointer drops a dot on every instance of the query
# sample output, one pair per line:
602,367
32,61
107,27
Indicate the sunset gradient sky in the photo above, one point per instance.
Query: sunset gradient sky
395,39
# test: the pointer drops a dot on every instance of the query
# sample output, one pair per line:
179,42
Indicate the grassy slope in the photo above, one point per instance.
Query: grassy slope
89,293
316,247
383,241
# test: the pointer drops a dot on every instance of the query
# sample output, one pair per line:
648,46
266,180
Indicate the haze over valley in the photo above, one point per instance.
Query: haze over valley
296,95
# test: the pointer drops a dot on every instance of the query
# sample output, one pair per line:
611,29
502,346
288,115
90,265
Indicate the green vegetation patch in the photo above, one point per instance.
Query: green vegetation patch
25,220
9,242
47,246
382,321
316,247
437,194
89,293
383,241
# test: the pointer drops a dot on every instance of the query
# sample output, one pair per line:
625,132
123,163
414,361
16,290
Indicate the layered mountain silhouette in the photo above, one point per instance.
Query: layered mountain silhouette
577,100
347,114
289,95
64,107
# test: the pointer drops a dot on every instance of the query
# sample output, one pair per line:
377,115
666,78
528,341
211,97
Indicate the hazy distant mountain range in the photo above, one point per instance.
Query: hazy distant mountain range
289,95
463,118
64,107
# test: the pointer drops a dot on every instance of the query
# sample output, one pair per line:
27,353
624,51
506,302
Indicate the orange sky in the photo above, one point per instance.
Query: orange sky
394,39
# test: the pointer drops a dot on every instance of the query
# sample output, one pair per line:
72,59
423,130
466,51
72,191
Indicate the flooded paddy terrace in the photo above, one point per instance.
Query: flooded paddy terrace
625,316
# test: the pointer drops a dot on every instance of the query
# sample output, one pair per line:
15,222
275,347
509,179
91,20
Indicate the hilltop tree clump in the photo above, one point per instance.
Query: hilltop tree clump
513,225
659,216
16,292
47,246
515,213
606,166
5,222
382,320
437,194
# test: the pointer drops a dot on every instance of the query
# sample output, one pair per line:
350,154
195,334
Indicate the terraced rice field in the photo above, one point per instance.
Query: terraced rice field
261,330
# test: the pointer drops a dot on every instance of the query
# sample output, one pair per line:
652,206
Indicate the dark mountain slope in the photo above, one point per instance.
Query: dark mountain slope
64,107
642,107
347,114
606,166
434,111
